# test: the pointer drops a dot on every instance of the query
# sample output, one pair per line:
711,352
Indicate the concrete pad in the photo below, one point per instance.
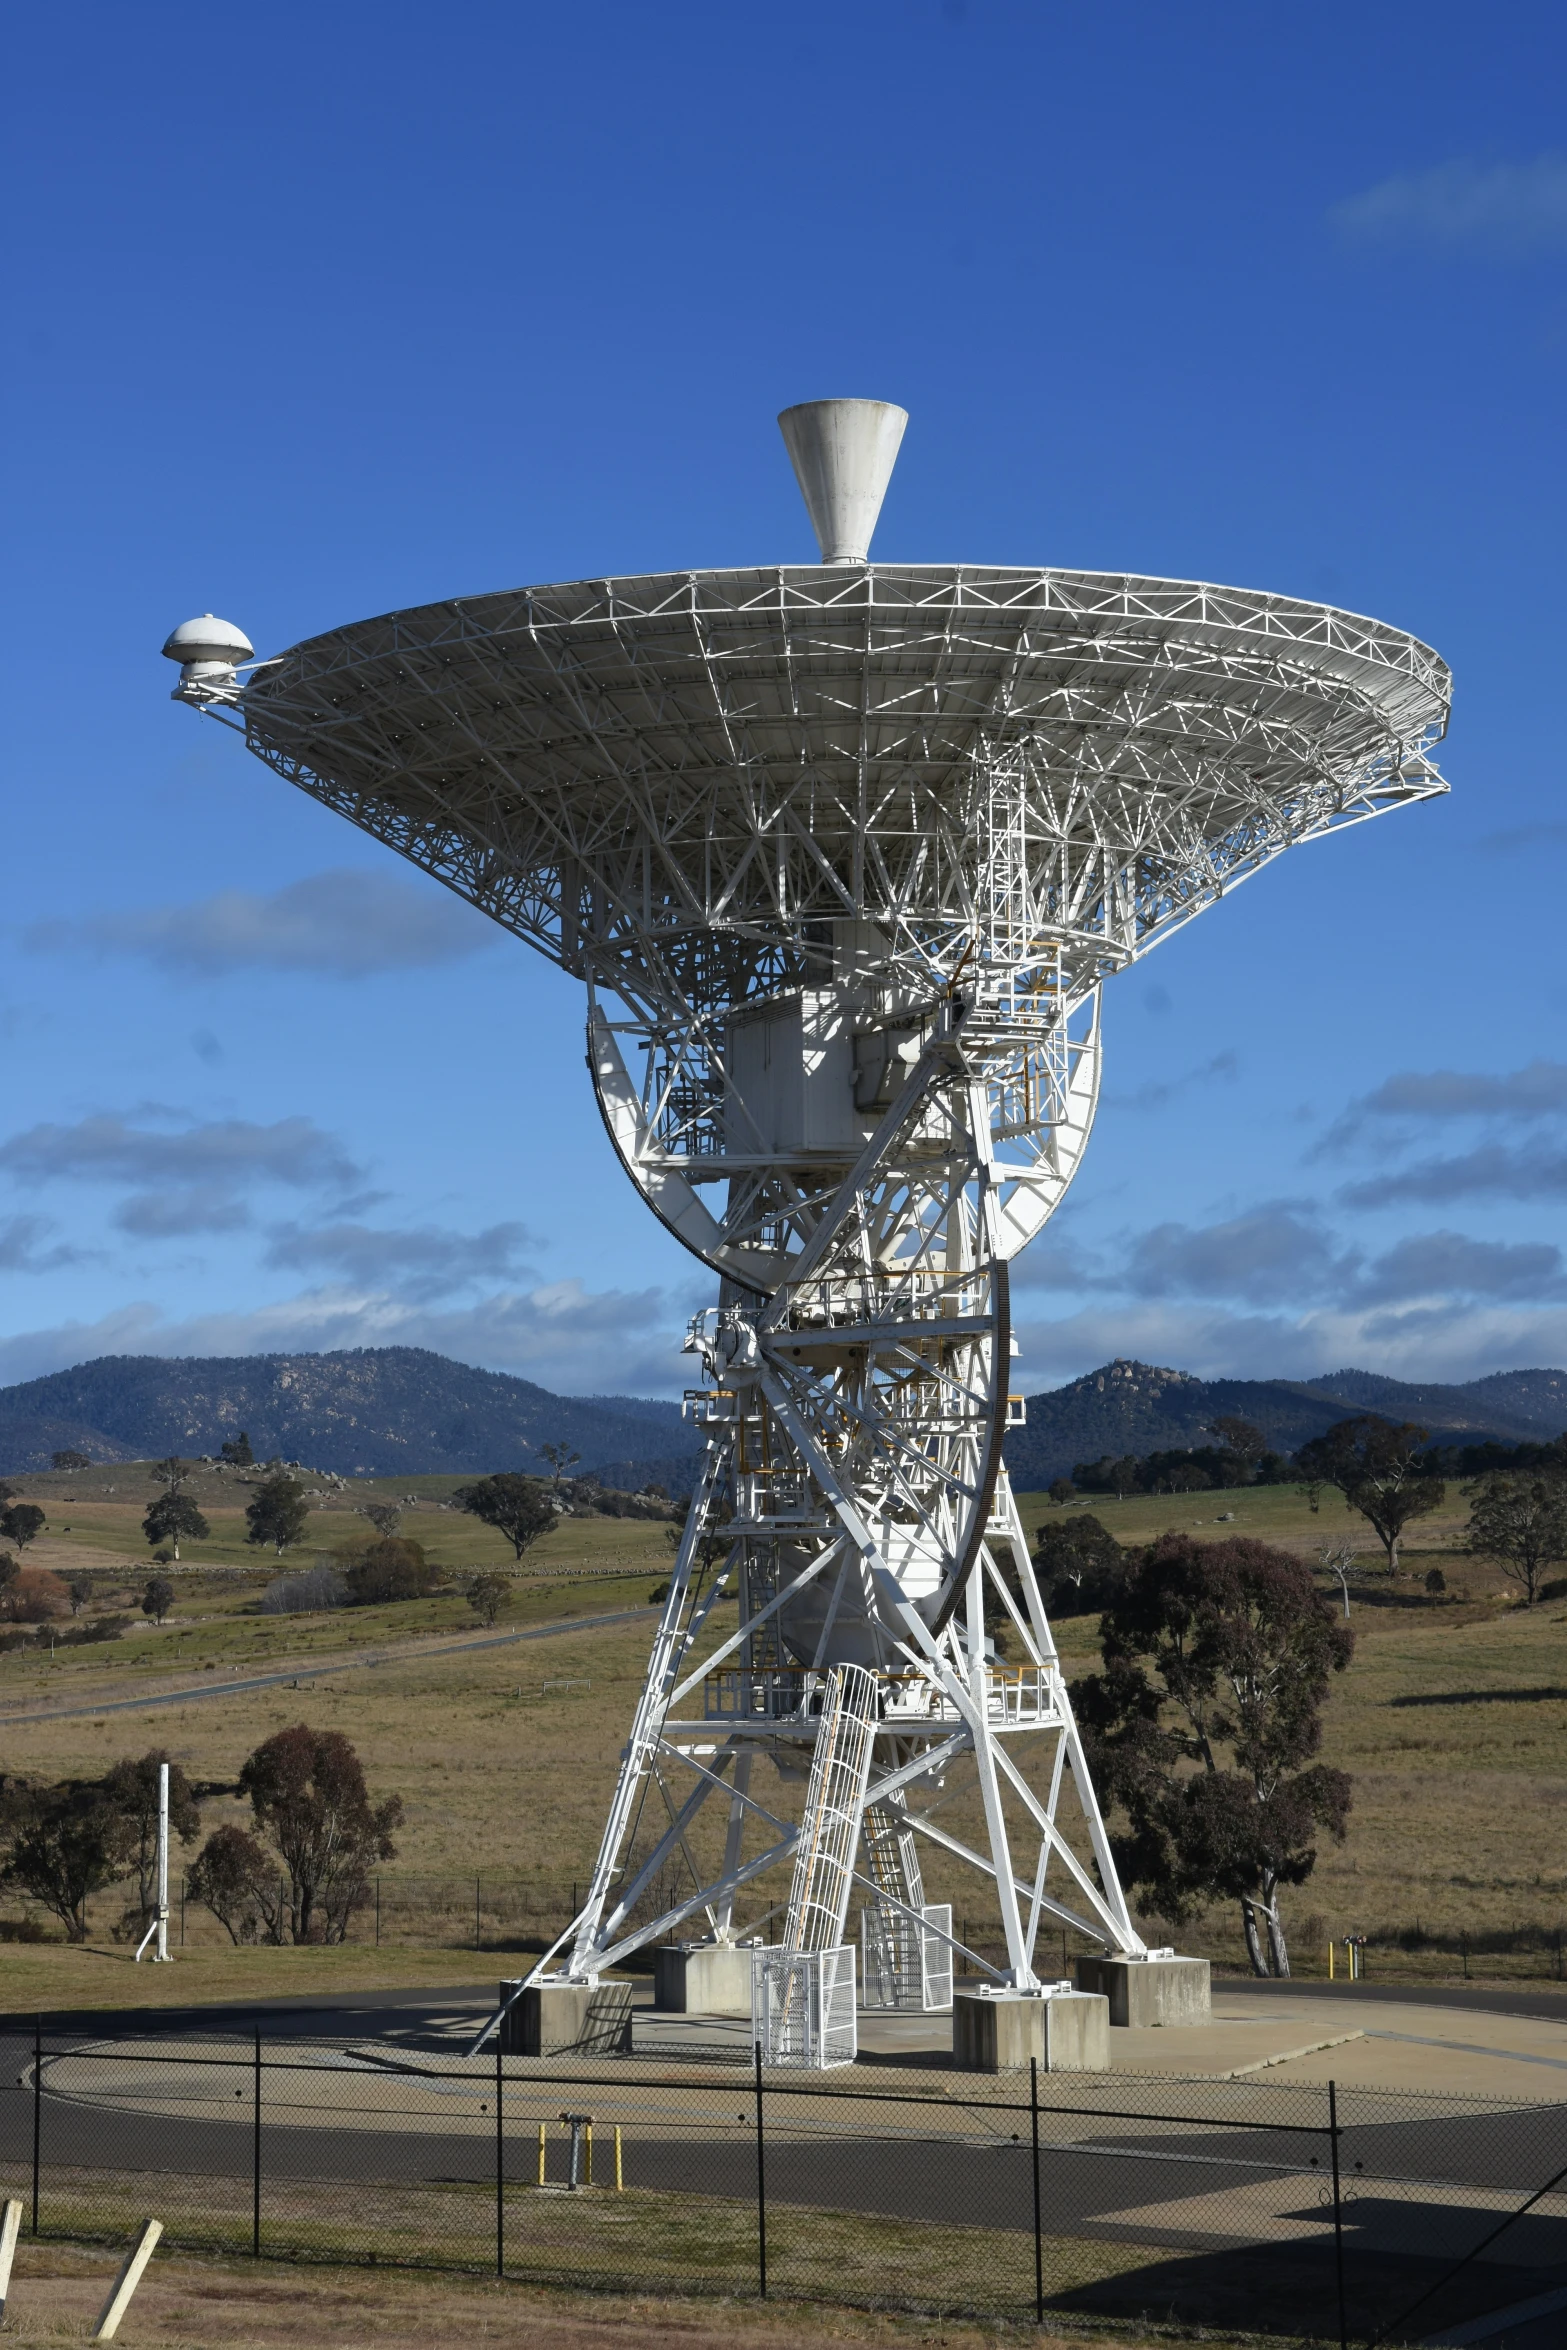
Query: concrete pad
703,2039
557,2019
999,2032
1381,2217
700,1978
1147,1994
1360,2043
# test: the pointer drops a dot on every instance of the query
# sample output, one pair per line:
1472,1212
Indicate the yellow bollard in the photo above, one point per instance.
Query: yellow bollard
1330,1962
588,2181
620,2183
541,2153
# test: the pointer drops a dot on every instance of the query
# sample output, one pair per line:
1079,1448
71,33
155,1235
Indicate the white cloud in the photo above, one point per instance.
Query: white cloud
422,1264
568,1338
1432,1342
175,1214
151,1146
1450,1264
23,1249
1506,210
1409,1097
1492,1172
1276,1254
1222,1068
344,924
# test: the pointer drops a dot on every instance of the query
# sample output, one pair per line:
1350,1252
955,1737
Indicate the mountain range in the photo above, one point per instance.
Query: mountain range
371,1412
382,1411
1129,1407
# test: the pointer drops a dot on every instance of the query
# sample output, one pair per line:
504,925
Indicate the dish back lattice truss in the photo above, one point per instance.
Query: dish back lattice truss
843,857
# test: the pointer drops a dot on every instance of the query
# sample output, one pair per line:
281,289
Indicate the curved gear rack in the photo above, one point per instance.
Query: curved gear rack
844,858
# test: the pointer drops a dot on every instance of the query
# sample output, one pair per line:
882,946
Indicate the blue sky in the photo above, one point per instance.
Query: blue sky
348,307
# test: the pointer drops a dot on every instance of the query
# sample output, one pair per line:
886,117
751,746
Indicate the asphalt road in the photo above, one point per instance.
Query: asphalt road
420,2012
1546,1999
301,1676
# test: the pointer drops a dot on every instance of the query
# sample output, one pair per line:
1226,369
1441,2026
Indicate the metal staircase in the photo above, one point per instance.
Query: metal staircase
802,1991
891,1938
834,1805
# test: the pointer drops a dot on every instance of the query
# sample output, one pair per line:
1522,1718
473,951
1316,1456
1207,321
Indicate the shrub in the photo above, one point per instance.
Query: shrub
238,1881
393,1569
488,1594
101,1628
320,1586
68,1842
1081,1566
32,1596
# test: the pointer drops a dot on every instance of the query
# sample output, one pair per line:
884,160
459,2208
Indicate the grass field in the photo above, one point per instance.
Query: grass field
194,2304
1452,1720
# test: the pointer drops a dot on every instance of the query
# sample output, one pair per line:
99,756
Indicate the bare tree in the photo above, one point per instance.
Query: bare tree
561,1458
1340,1558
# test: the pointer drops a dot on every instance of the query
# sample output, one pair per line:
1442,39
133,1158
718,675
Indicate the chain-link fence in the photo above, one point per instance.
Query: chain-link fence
1291,2210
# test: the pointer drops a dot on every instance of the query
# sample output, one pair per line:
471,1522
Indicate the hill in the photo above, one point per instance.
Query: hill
384,1411
1129,1407
372,1412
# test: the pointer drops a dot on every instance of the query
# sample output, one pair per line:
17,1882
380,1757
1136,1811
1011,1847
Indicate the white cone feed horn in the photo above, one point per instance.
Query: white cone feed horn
10,2229
129,2278
843,453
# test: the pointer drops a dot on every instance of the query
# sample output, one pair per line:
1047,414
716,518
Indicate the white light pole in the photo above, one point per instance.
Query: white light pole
160,1923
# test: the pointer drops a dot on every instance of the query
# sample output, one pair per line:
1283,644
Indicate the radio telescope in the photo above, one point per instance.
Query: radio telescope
843,856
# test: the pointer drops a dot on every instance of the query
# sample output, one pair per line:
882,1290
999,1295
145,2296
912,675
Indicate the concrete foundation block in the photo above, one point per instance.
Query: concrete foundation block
1065,2031
700,1978
1144,1992
567,2019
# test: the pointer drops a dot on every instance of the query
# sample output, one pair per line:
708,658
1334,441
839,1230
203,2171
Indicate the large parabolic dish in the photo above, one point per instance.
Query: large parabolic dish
844,855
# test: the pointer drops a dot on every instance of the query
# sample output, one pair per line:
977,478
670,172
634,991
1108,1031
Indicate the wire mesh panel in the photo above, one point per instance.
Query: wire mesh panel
1097,2197
1432,2183
803,2013
633,2184
936,1957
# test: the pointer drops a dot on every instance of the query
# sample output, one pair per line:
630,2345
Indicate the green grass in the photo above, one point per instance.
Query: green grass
640,2240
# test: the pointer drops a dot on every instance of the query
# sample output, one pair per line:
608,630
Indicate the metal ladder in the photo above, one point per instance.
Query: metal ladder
834,1804
893,1941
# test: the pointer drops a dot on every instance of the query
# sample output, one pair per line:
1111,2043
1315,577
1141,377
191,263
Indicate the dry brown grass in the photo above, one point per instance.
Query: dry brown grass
187,2304
1461,1788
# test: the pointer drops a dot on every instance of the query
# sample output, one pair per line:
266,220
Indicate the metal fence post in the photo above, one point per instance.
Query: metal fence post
255,2166
1338,2217
761,2181
1039,2241
500,2168
38,2106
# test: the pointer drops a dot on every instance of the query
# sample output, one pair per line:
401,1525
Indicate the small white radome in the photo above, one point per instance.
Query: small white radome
208,639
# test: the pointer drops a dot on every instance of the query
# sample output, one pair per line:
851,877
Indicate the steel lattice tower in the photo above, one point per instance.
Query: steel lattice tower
843,857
